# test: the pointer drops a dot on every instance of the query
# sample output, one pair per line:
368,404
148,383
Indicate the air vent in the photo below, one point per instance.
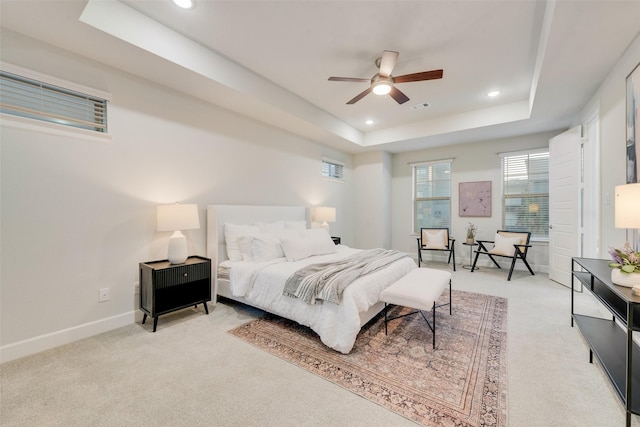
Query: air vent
420,106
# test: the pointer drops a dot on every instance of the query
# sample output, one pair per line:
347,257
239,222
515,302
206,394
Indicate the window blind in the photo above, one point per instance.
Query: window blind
525,193
332,170
25,97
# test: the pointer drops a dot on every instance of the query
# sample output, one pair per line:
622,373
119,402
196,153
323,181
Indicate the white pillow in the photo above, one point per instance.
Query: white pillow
504,245
266,247
231,234
260,247
270,228
309,243
245,244
434,239
295,225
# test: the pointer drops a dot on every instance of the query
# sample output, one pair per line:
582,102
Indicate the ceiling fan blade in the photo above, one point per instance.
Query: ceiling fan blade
396,94
348,79
416,77
360,96
387,62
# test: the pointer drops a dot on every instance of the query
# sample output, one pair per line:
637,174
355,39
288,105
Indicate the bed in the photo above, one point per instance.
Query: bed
260,282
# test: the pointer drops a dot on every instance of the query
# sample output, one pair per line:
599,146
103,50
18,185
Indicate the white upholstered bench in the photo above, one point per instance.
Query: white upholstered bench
419,290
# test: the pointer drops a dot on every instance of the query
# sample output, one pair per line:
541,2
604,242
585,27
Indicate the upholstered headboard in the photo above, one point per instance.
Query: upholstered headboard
218,215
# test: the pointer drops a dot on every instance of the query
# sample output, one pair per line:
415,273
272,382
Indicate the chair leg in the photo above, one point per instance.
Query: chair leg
494,261
453,256
473,266
513,263
527,264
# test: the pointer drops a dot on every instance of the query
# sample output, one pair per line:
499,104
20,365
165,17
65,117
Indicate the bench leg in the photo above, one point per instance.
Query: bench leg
450,298
434,325
385,318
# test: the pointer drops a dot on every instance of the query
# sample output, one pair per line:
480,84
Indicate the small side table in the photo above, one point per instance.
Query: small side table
471,245
166,287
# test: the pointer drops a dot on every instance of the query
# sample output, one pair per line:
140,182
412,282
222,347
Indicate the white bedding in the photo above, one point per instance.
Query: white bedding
262,283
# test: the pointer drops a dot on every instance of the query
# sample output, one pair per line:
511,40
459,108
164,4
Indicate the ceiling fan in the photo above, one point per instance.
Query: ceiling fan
382,82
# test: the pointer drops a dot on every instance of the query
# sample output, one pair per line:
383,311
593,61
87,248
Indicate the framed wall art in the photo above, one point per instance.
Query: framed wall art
474,198
633,126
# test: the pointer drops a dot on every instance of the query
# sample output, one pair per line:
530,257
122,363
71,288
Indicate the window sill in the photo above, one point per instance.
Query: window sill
24,123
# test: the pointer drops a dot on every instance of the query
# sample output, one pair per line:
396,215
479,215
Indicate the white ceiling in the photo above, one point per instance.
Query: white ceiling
270,60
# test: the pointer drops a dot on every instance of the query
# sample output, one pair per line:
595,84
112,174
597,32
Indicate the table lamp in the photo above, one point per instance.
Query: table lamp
325,215
627,210
178,217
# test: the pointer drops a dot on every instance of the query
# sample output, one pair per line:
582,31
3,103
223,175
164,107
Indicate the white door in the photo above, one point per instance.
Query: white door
564,208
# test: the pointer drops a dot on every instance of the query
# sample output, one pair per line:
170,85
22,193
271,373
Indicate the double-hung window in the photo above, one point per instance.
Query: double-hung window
525,192
431,194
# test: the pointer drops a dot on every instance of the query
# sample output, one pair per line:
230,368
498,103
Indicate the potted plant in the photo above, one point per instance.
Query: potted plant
471,233
626,266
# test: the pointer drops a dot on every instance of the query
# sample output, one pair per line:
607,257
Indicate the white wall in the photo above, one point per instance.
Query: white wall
78,216
478,161
372,200
610,101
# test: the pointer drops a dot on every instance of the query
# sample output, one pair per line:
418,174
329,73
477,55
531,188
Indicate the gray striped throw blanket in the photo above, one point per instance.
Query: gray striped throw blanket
327,281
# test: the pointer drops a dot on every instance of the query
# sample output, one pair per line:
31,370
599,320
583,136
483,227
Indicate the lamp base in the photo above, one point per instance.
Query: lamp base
178,252
325,225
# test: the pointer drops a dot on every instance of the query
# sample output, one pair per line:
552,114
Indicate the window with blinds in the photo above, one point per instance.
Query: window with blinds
525,193
431,195
332,169
33,99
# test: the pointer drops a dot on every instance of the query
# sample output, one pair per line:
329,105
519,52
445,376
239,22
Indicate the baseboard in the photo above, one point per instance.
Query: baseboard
486,263
44,342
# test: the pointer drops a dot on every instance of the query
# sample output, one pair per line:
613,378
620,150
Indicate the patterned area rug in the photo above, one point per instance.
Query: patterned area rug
463,382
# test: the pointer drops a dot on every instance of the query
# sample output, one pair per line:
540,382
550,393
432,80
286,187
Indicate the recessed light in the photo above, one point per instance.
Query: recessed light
185,4
369,122
493,93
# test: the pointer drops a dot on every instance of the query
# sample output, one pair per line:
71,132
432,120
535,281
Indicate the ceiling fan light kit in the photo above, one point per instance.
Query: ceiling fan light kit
383,82
381,88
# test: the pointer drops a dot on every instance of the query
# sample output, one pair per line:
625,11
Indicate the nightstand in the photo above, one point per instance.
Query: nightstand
166,287
336,240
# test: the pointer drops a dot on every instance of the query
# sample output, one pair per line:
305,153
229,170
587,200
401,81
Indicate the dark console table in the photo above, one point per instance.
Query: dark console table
166,287
611,340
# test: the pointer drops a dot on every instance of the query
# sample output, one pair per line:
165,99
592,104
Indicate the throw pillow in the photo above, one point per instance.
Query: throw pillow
231,234
505,245
434,239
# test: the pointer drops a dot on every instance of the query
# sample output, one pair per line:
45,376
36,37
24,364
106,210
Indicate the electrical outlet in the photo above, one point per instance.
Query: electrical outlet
136,288
103,295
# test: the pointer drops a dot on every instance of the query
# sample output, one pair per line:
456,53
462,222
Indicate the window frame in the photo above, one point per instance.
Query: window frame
415,199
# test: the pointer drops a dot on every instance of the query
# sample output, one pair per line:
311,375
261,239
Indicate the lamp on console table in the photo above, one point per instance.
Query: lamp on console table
627,211
177,217
325,215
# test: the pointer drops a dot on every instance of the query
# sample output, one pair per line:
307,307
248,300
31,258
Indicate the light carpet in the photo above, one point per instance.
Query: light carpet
463,382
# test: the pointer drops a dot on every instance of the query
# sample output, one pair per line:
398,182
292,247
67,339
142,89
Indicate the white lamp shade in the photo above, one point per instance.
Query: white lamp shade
325,214
627,206
178,217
